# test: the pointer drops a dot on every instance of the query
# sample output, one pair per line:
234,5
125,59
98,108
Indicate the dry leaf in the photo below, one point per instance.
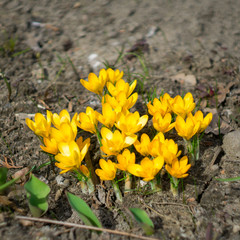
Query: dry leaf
217,125
21,173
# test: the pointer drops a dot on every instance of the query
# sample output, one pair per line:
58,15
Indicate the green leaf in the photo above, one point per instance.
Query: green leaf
3,175
83,210
228,179
143,219
3,178
37,194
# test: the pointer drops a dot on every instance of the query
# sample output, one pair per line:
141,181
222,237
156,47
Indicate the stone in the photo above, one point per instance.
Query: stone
231,143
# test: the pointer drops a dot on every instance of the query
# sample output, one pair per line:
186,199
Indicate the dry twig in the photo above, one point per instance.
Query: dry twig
85,227
8,165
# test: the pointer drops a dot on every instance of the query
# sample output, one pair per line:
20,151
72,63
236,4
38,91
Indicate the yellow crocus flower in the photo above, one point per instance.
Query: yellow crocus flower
63,116
66,133
183,106
71,156
161,106
125,159
51,145
204,122
85,171
155,146
179,168
121,101
130,123
108,170
41,126
95,84
186,129
162,124
114,76
87,121
108,116
147,169
142,146
113,143
169,150
121,86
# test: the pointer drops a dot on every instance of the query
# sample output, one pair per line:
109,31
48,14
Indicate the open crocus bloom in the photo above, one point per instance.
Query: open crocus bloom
179,168
114,76
66,133
147,169
114,142
121,101
130,123
183,106
71,155
125,159
162,106
121,86
108,170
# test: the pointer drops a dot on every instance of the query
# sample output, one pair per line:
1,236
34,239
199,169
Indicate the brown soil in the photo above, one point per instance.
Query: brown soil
198,38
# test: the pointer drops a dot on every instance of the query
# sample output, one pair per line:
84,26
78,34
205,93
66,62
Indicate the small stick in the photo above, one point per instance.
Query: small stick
84,227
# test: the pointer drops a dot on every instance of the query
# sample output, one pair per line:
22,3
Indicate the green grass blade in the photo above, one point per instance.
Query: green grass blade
8,184
3,175
83,210
143,219
228,179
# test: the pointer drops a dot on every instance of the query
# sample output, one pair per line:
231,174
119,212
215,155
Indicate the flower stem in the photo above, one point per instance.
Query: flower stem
84,187
192,148
174,186
90,185
128,183
155,186
117,191
98,136
52,160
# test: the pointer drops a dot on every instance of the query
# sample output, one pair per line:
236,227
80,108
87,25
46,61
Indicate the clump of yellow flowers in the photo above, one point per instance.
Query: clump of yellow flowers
117,130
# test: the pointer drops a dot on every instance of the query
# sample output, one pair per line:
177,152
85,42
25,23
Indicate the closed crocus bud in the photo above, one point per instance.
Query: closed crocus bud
186,129
142,146
41,126
162,124
95,84
204,121
108,116
87,121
